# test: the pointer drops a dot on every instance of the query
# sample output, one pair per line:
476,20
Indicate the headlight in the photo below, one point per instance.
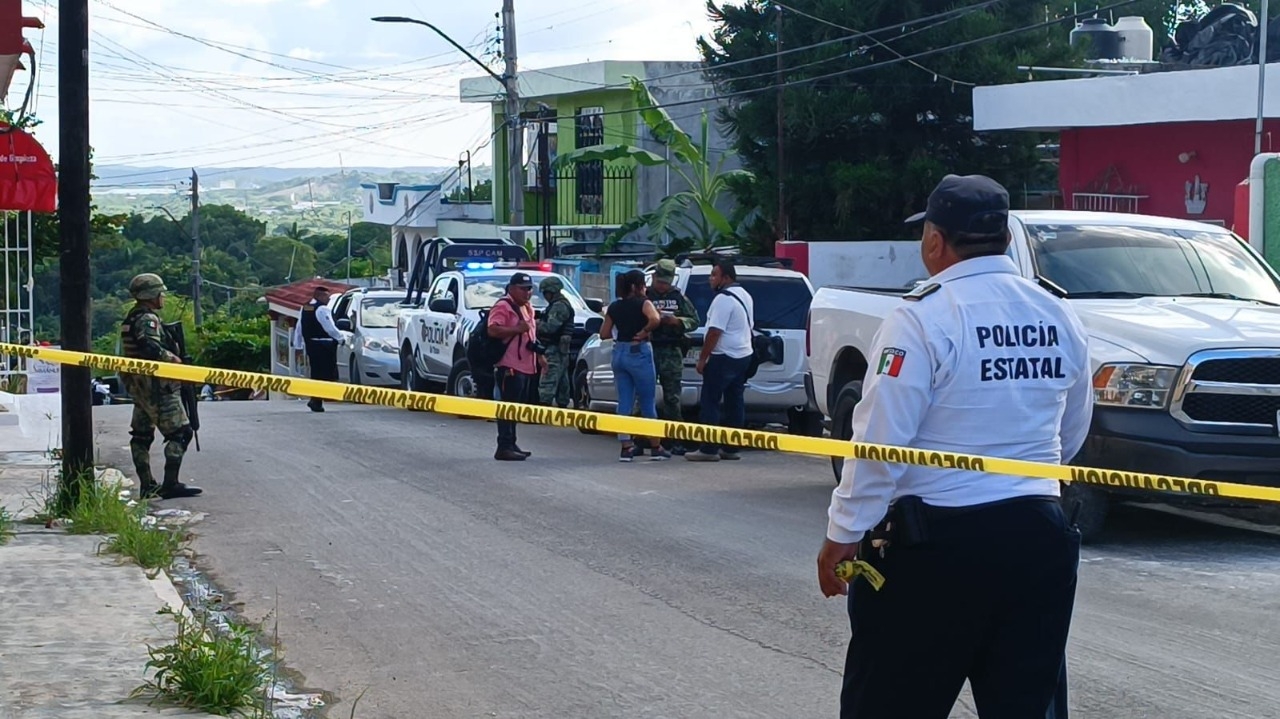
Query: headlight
374,345
1134,385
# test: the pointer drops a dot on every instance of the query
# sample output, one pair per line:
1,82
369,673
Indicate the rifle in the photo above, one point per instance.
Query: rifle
187,390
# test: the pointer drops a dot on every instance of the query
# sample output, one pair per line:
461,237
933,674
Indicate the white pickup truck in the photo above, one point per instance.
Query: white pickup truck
432,338
1184,330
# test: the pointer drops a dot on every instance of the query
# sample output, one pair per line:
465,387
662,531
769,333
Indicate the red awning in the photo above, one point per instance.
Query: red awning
27,178
296,295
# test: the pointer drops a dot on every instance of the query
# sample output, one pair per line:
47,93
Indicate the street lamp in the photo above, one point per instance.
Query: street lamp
515,141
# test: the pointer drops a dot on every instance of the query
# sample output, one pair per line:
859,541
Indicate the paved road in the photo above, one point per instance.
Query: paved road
408,562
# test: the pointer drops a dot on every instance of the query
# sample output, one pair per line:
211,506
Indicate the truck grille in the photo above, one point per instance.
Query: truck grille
1232,408
1254,370
1231,391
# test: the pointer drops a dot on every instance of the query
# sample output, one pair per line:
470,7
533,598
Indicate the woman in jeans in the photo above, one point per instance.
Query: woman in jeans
634,375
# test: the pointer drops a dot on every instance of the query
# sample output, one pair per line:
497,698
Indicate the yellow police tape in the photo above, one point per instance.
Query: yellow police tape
618,424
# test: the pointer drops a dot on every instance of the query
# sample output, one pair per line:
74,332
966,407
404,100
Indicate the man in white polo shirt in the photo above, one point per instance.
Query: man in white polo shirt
725,359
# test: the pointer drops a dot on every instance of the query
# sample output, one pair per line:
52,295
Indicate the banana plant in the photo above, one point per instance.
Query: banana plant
690,214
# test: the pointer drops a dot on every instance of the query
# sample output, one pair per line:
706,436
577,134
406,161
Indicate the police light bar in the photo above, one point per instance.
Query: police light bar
479,265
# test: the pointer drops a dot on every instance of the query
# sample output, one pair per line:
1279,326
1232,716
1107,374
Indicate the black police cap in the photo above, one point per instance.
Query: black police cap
969,204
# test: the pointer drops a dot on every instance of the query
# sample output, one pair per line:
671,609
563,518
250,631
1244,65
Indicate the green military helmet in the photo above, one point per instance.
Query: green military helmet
147,286
550,284
666,270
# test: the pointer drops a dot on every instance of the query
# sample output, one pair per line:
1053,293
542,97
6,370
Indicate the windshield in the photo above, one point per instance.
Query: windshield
483,290
379,313
781,303
1135,260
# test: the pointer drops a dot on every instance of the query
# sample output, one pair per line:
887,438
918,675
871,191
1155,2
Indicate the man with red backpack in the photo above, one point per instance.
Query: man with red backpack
512,322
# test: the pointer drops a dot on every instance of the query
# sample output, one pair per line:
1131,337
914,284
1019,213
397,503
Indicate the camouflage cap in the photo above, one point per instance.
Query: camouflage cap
146,286
550,284
666,270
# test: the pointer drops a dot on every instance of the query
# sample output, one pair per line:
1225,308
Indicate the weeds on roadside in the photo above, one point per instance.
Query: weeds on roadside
215,672
153,548
6,526
97,510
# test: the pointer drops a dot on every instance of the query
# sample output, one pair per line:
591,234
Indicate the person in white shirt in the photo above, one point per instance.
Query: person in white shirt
725,359
317,332
980,568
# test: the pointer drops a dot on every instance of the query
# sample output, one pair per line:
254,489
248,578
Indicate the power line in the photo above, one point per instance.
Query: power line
838,26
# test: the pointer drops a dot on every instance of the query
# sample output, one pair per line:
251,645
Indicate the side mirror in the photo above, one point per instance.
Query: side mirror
444,305
596,305
344,325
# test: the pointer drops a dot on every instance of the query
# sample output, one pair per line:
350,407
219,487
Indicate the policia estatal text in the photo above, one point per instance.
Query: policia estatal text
979,568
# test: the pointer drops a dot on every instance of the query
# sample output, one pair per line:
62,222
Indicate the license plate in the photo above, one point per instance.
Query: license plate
693,354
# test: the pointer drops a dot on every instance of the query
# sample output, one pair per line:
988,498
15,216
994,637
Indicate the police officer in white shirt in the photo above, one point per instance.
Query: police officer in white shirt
725,359
317,332
979,568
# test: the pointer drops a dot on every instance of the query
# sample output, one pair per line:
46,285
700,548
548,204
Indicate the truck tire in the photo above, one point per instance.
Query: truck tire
409,379
1088,506
842,420
461,383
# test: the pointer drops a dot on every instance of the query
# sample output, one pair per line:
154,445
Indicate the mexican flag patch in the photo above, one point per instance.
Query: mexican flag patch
891,361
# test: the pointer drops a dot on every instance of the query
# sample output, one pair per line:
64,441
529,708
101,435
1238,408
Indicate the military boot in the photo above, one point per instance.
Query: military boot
147,486
172,488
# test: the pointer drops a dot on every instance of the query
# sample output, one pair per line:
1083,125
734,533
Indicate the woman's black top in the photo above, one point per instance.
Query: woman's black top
628,317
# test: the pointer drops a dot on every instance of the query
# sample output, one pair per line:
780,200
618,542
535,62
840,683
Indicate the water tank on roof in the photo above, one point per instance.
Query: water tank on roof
1137,41
1100,40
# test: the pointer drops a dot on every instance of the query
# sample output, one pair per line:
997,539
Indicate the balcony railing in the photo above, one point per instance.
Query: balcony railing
1106,202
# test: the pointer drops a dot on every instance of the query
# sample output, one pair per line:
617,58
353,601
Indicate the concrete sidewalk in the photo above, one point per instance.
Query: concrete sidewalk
74,625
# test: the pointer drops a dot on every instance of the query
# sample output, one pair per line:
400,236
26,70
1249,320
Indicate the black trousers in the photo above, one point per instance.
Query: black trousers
322,357
988,598
510,386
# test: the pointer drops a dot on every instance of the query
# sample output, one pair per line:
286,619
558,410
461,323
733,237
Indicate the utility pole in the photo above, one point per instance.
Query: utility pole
348,213
783,226
515,142
73,238
196,249
1262,74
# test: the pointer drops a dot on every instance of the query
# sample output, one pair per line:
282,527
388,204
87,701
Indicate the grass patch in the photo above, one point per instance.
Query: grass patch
153,548
6,526
98,509
209,671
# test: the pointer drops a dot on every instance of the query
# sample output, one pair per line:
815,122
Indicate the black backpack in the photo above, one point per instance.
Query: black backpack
764,346
483,351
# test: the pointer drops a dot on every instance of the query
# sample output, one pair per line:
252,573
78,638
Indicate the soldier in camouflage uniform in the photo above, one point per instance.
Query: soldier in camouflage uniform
555,332
157,403
670,342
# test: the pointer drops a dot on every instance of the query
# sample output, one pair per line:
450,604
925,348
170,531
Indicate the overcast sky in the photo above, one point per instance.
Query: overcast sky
338,84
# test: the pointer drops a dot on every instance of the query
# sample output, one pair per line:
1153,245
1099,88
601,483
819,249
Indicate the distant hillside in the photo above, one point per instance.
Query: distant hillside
316,198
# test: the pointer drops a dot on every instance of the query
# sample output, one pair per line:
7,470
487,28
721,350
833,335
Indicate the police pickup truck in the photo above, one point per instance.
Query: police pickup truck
432,333
1184,331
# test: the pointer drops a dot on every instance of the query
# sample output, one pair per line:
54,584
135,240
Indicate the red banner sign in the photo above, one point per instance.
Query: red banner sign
27,178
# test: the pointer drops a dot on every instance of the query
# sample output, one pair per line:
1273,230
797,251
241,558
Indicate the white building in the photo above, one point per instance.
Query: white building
418,212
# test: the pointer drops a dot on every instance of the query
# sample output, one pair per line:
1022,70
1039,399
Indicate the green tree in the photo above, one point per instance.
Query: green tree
481,192
865,147
691,215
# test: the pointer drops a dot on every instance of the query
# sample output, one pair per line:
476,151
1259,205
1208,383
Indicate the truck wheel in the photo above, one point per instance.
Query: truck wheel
1088,506
581,394
807,424
409,379
461,383
842,420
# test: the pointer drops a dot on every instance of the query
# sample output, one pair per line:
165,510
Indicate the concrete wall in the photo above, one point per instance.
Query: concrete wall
667,88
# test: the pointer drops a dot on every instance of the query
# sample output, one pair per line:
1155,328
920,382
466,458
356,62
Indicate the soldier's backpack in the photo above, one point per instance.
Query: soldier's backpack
483,351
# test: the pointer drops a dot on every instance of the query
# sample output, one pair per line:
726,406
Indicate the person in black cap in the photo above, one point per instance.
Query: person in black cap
979,568
317,332
512,320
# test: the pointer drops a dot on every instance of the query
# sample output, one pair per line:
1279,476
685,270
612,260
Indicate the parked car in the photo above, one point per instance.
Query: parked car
432,339
1184,326
367,319
775,395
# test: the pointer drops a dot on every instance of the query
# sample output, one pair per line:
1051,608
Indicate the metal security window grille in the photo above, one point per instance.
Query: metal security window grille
589,131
